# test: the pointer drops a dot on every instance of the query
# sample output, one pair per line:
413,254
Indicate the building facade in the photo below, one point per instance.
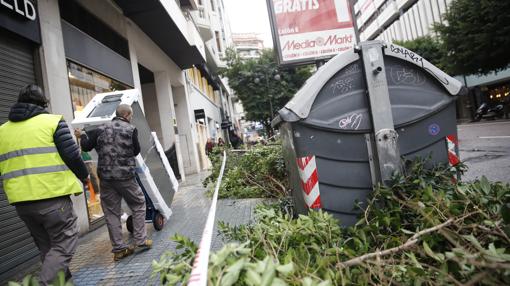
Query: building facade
76,49
210,97
406,20
248,45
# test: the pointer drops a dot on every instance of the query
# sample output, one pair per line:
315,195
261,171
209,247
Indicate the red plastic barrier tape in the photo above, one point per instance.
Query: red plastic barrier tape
452,143
199,273
309,181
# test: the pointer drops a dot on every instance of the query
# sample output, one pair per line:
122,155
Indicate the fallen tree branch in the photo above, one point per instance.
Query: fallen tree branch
477,278
408,244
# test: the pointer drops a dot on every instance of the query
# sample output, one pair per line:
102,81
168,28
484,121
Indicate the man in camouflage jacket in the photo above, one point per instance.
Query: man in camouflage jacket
117,145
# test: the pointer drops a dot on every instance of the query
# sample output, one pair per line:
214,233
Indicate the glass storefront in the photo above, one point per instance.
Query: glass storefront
84,84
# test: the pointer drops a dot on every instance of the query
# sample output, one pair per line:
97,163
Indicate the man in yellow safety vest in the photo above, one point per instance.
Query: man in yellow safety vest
40,165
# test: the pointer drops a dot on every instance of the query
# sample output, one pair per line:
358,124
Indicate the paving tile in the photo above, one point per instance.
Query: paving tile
93,262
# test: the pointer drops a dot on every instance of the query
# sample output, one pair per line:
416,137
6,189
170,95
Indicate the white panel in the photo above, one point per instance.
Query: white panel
435,10
442,7
394,32
410,27
424,22
417,22
429,11
399,30
403,26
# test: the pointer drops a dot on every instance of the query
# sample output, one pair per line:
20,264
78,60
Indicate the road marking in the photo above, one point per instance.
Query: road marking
483,124
493,137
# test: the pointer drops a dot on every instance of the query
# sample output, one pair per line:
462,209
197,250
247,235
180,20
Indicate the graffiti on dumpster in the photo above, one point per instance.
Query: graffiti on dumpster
407,54
352,121
407,76
352,69
341,86
418,60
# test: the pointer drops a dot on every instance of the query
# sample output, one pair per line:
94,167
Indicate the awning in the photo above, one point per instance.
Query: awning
167,27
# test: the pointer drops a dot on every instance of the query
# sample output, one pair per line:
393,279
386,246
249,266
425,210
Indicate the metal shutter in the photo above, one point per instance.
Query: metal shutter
16,70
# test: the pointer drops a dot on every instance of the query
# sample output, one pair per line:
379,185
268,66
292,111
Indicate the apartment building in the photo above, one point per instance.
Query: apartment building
248,45
210,96
405,20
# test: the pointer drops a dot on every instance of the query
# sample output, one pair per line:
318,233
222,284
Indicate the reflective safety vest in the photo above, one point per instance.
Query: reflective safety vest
30,166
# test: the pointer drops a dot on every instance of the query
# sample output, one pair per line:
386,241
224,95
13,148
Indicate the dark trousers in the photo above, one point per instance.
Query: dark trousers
112,193
52,224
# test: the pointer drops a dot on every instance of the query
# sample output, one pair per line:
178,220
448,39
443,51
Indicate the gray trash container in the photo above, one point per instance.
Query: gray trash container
328,134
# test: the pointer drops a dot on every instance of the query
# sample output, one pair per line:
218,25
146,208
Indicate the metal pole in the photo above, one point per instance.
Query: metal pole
269,96
385,136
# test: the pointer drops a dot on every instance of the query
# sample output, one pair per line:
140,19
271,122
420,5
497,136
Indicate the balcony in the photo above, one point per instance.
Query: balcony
371,30
202,19
214,61
403,4
190,4
391,12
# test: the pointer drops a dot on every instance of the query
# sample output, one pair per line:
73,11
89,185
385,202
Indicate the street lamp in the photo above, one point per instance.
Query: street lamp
266,77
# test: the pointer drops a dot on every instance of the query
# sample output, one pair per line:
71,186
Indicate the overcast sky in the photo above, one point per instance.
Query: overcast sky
249,16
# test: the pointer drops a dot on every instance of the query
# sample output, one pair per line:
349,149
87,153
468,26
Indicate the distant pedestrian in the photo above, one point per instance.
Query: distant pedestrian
117,145
235,140
209,146
221,142
39,166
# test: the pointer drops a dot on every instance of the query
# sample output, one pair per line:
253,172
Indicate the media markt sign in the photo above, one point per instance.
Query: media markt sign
307,30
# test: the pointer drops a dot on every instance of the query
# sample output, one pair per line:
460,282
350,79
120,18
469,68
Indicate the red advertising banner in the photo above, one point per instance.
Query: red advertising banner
307,30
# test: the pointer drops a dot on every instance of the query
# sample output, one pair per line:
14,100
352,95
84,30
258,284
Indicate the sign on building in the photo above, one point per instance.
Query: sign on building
305,31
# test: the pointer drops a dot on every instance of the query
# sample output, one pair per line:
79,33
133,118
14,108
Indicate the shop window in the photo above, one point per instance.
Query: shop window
85,83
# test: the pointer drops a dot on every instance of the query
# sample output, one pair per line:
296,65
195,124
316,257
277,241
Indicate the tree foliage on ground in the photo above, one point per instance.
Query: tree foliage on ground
424,230
256,173
248,79
430,48
476,36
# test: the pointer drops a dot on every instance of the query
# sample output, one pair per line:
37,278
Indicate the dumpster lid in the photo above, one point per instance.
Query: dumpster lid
300,105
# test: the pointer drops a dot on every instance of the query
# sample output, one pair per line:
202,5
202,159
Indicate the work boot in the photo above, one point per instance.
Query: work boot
122,253
145,246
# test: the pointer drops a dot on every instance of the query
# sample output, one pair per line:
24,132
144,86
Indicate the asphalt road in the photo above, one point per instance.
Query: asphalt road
485,149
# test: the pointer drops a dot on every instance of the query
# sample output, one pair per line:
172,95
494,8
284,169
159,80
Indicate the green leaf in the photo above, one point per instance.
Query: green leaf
474,242
325,283
485,185
229,278
269,272
278,282
431,253
307,281
413,259
253,278
407,231
286,269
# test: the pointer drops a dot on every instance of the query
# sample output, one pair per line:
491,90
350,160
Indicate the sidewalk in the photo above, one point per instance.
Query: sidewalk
93,262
